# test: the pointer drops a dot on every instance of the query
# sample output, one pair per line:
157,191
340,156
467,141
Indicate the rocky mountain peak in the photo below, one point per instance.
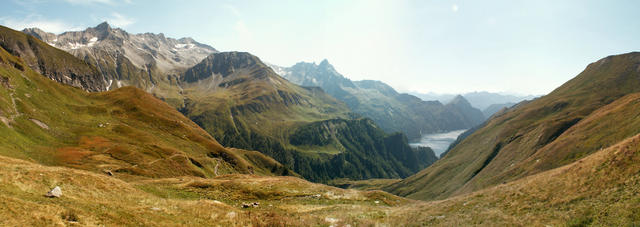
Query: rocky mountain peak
102,30
459,100
237,59
325,63
222,63
38,33
148,57
104,26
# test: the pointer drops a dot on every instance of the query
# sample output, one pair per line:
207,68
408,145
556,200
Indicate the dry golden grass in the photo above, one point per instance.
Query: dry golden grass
601,189
91,199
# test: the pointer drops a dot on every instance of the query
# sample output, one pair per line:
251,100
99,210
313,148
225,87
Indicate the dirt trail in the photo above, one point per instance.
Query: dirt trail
170,157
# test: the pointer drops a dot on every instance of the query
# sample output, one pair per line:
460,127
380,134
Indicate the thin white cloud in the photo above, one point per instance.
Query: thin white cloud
233,10
47,25
119,20
454,8
241,29
86,2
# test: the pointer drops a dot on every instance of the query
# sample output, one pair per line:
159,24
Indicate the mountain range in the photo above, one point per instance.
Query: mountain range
488,102
219,137
393,111
124,131
241,102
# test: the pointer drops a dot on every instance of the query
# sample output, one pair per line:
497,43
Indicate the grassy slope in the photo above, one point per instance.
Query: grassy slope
601,189
533,137
262,102
124,131
91,199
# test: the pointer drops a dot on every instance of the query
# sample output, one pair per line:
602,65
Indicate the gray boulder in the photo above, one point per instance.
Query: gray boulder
54,193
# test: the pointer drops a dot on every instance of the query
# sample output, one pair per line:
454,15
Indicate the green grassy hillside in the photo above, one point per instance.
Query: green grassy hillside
600,189
575,120
124,131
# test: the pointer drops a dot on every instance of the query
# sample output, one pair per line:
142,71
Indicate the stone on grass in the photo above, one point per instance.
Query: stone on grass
54,193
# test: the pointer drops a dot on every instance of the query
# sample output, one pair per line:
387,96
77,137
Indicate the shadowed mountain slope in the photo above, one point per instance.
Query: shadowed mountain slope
51,62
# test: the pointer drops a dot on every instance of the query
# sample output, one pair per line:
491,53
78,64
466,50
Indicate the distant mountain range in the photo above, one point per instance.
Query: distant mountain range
393,111
478,99
488,102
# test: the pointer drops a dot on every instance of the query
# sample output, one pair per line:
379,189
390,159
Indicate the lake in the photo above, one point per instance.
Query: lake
438,142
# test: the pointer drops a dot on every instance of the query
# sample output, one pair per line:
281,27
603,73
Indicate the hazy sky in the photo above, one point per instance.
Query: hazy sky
527,47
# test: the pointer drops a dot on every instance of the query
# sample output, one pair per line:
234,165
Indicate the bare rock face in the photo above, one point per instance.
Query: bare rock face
142,60
54,193
223,64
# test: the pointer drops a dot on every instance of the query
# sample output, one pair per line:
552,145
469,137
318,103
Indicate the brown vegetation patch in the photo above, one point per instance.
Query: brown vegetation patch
96,143
72,155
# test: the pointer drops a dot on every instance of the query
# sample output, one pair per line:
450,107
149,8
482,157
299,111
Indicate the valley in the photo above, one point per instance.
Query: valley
413,123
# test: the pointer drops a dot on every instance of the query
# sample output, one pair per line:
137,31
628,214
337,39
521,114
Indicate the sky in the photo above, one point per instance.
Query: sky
441,46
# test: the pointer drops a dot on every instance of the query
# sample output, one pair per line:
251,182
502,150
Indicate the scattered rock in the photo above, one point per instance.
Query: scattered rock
70,216
54,193
39,123
5,82
108,172
155,209
376,202
331,220
249,205
5,121
316,196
